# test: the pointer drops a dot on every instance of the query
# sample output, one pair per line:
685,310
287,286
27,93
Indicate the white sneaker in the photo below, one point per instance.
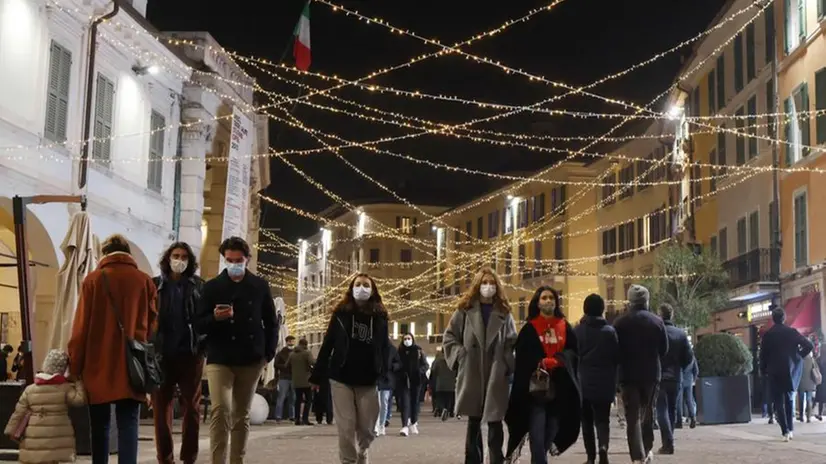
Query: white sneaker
405,431
414,429
791,435
380,432
786,438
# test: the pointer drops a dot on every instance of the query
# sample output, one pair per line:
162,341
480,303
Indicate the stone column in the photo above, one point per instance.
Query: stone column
193,172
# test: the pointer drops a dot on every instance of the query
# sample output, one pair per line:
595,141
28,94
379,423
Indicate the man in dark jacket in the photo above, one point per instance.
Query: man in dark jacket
679,357
386,387
598,360
286,392
180,349
783,349
237,315
642,342
301,363
443,379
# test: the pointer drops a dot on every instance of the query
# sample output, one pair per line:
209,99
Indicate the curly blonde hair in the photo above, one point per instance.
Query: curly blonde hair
471,296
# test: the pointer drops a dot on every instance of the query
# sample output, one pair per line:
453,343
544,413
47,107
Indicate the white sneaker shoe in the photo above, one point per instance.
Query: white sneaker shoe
380,432
414,429
791,435
786,438
405,431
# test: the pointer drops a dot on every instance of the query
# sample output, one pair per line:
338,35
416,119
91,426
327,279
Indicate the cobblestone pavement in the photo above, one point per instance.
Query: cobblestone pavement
443,443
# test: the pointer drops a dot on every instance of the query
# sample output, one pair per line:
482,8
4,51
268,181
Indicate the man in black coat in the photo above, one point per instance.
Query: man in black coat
237,315
642,342
679,357
598,360
783,349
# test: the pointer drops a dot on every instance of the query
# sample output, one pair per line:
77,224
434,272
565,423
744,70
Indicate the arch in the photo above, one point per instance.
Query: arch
44,255
140,258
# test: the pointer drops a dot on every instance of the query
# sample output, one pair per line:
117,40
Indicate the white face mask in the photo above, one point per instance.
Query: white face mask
408,342
362,293
487,290
178,266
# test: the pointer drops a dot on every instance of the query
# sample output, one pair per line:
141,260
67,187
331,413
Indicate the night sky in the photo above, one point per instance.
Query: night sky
577,42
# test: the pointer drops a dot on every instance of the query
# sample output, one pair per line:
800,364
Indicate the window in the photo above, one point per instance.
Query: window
522,214
626,179
754,230
697,185
752,122
508,212
773,224
493,224
801,245
480,224
406,255
772,120
739,141
609,297
538,207
751,64
558,199
641,238
57,99
406,225
405,294
608,189
795,22
738,63
645,175
626,240
154,180
722,237
712,245
468,229
769,30
609,246
457,238
522,305
537,254
721,81
104,110
508,259
820,106
559,246
742,237
797,126
712,97
695,103
522,258
721,151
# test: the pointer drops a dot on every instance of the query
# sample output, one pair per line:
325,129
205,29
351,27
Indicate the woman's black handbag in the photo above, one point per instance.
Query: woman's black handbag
142,364
541,387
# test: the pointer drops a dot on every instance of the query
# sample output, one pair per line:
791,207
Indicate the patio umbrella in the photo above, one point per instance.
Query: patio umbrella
280,309
79,251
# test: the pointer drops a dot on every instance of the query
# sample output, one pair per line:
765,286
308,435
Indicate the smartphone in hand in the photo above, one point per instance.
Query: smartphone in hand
223,312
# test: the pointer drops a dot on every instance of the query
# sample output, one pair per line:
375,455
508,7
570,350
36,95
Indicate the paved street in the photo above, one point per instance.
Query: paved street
442,443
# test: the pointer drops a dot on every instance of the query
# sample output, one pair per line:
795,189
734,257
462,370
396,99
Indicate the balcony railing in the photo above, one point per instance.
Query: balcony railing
758,265
544,270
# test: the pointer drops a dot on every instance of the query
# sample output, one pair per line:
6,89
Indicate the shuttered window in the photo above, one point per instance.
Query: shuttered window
154,179
820,105
751,63
738,63
57,99
801,246
712,98
769,33
752,123
722,238
721,82
739,141
104,111
742,236
754,230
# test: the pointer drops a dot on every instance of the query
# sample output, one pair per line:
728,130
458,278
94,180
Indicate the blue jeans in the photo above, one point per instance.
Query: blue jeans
667,412
286,392
127,413
389,406
804,401
544,425
385,400
784,408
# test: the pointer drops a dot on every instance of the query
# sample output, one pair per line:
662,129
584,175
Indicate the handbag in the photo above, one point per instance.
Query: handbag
142,366
20,431
541,387
817,376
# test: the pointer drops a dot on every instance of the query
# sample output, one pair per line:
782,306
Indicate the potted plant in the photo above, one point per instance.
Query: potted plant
723,390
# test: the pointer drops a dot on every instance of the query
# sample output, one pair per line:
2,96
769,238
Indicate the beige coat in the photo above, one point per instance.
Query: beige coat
49,436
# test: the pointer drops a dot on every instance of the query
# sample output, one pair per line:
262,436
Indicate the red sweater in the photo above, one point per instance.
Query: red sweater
552,334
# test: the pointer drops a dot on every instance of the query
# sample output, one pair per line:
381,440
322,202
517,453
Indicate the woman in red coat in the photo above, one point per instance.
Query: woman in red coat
97,347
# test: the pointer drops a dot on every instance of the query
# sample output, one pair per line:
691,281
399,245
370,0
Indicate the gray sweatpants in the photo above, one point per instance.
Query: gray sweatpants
355,410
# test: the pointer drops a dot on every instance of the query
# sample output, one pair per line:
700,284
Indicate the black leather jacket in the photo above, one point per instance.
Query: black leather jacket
191,301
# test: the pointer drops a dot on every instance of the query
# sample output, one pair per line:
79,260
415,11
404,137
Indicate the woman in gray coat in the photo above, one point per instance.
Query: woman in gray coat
479,343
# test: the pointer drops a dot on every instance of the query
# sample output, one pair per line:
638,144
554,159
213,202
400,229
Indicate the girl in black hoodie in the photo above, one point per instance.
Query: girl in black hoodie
353,357
410,382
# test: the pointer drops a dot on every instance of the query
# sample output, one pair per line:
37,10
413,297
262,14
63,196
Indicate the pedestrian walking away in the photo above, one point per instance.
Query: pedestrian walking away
643,341
353,357
237,316
286,393
550,415
444,385
409,383
386,387
783,349
809,380
181,353
117,302
678,358
478,343
598,350
685,399
820,392
301,364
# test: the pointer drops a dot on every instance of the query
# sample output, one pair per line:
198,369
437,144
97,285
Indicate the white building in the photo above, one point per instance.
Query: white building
140,88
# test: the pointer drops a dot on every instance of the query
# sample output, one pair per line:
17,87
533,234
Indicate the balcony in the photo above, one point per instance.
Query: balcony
543,271
758,265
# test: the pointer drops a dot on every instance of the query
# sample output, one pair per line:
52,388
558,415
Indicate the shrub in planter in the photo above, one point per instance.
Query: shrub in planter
723,391
722,355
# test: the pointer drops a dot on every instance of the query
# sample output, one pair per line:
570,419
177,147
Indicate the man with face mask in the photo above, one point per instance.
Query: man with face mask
237,315
286,393
180,350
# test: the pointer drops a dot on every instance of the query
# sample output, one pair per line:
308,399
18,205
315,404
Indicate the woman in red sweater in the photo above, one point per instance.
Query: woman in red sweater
546,342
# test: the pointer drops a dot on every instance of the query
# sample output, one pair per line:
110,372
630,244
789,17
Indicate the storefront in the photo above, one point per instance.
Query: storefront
803,301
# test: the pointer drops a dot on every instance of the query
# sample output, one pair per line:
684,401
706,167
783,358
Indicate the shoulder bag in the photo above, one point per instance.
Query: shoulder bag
142,365
817,376
541,387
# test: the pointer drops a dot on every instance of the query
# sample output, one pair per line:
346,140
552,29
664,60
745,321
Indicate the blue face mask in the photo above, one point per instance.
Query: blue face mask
236,269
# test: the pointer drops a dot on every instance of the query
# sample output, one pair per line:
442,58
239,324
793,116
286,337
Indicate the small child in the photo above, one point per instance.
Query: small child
49,436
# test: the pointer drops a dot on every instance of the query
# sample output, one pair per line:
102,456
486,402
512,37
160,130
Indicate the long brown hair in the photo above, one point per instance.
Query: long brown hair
374,305
471,296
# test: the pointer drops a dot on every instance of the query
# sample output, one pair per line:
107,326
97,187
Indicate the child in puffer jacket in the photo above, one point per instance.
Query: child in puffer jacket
49,436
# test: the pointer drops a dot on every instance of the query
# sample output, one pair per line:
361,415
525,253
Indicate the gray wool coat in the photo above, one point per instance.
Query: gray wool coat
484,359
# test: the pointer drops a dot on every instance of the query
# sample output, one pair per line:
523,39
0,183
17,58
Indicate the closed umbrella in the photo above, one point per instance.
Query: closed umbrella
79,251
280,309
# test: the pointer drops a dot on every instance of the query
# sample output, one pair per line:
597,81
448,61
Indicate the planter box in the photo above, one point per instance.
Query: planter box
724,400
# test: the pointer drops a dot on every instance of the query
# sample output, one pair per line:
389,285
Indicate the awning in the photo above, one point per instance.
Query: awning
802,313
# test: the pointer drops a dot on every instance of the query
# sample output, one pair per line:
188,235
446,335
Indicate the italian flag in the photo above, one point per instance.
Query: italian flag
301,48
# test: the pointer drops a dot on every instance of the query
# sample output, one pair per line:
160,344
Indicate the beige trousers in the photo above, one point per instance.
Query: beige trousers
231,389
355,410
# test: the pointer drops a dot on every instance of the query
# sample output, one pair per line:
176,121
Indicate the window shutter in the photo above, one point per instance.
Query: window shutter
752,121
801,20
398,222
751,61
754,231
154,179
415,225
721,149
739,141
772,120
820,105
712,99
787,16
787,131
721,81
630,237
742,237
769,33
738,63
57,99
805,120
712,160
104,102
